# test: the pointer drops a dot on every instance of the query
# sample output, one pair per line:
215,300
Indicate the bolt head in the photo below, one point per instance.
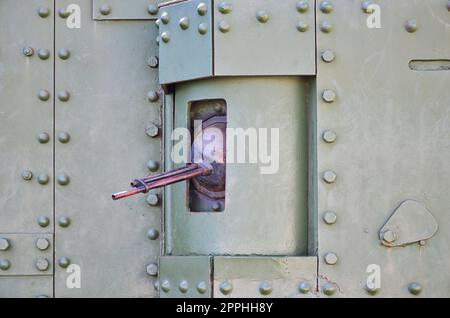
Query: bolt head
43,138
5,264
152,165
225,7
43,221
201,287
165,18
328,56
302,6
389,236
330,258
224,27
365,6
64,54
329,289
42,264
42,243
152,269
43,12
415,288
422,242
153,96
326,26
63,179
302,26
216,206
153,234
64,221
43,95
152,9
28,51
203,28
165,286
184,23
4,244
262,16
152,131
152,199
371,290
326,7
165,36
64,262
105,9
43,179
43,54
153,61
304,287
202,9
328,96
329,217
64,137
63,96
265,288
183,286
27,175
329,176
411,26
226,287
329,136
63,13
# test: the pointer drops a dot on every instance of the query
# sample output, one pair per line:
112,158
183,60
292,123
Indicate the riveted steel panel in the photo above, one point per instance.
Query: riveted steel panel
275,47
269,219
392,126
188,54
26,286
125,10
185,276
23,116
23,254
106,117
256,277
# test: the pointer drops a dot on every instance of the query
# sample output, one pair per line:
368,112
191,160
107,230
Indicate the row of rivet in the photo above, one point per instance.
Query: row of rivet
265,287
105,9
183,286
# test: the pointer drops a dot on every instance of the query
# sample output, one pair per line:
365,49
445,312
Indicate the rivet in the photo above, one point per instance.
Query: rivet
42,264
201,287
63,137
389,236
327,56
302,6
411,26
152,131
365,6
27,175
330,258
43,95
28,51
152,165
165,37
43,12
184,23
225,7
415,288
153,61
326,27
328,96
152,9
304,287
152,269
262,16
153,96
4,244
302,26
63,13
153,234
5,264
329,217
43,179
329,289
216,206
329,136
203,28
226,287
64,54
64,96
63,179
326,7
43,54
165,286
422,242
157,23
152,199
202,9
43,138
183,286
64,221
43,221
156,285
372,290
42,296
157,40
105,9
42,243
329,176
64,262
224,27
265,288
165,18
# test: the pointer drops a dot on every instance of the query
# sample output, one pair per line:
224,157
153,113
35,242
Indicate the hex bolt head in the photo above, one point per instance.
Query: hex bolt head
64,262
4,244
326,7
152,199
105,9
64,221
389,236
415,288
202,9
153,61
43,138
152,9
302,6
328,96
411,26
226,287
152,131
63,137
153,96
327,56
330,258
203,28
43,54
262,16
4,264
43,221
183,286
63,179
304,287
42,264
27,175
224,26
326,26
216,206
152,269
43,179
165,18
365,6
64,54
43,12
184,23
152,165
329,136
165,286
153,234
329,176
63,13
371,290
165,37
302,26
28,51
265,288
329,217
201,287
43,95
42,243
225,7
329,289
63,96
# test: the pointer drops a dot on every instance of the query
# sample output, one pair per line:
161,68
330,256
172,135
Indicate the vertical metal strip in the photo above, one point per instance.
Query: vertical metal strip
53,140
